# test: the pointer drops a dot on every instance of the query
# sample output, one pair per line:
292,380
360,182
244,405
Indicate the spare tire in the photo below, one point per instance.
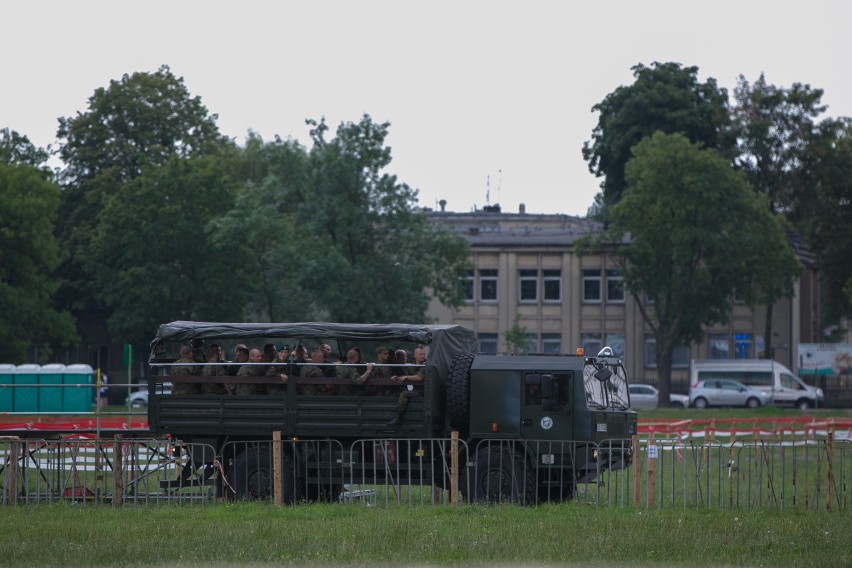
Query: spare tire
458,391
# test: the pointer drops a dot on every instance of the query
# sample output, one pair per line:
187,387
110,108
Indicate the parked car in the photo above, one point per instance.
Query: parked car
726,392
139,399
647,397
782,385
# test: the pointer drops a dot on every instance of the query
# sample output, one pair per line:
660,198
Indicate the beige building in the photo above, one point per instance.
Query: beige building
526,266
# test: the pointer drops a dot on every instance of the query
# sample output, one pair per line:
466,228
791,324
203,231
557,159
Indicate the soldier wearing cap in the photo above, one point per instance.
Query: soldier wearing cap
278,369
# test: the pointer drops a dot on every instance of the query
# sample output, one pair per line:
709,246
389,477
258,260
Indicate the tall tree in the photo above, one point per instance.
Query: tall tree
821,208
16,149
136,124
697,232
156,261
378,258
773,127
28,258
261,231
665,97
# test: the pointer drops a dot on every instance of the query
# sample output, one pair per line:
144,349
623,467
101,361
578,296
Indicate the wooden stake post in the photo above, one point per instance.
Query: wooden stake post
276,468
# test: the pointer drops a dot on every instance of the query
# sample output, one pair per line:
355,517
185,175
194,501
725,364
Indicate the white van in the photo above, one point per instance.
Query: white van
783,386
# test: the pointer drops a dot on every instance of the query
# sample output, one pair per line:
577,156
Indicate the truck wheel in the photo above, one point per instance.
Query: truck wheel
500,476
700,402
803,404
458,391
252,475
752,403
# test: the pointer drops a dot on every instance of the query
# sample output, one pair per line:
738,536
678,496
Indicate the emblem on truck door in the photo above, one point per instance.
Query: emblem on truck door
547,422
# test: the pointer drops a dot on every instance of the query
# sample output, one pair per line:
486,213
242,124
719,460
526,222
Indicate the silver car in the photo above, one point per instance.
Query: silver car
726,392
647,397
139,399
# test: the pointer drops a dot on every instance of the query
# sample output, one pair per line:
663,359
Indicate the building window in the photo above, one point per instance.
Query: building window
743,346
532,343
528,286
488,285
616,342
680,355
467,287
591,286
552,283
719,345
614,286
591,342
487,343
551,343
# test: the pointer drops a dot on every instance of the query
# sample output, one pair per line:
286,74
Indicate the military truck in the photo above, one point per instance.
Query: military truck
530,426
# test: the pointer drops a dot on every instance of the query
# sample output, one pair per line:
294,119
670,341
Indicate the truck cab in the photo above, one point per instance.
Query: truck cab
551,421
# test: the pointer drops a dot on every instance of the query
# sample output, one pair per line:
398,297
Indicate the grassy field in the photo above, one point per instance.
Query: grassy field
355,535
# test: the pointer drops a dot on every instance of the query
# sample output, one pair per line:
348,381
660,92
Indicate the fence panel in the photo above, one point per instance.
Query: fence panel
91,470
790,473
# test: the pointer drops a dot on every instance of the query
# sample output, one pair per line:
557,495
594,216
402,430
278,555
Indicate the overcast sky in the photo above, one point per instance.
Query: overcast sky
472,90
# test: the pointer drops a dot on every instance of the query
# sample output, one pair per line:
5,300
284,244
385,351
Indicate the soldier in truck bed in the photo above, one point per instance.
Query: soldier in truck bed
353,372
314,371
213,369
189,370
414,375
279,370
255,356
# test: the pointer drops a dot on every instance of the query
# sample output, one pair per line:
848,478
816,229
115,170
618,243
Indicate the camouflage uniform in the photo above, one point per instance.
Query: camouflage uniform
354,374
250,388
185,371
381,371
311,371
213,371
276,371
402,401
414,392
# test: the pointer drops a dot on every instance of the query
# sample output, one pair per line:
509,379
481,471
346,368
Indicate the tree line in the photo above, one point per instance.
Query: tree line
156,216
705,196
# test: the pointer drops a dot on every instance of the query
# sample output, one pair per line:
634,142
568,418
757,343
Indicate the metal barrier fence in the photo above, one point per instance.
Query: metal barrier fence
785,474
96,470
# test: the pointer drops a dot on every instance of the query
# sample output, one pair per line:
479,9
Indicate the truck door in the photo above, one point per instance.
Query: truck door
545,406
495,404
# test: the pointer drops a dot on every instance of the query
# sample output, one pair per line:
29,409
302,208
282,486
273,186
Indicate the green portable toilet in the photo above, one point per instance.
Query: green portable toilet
7,377
50,398
26,398
78,398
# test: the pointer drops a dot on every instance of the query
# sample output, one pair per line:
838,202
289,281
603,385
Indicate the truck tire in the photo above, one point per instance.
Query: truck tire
499,475
252,475
803,404
458,391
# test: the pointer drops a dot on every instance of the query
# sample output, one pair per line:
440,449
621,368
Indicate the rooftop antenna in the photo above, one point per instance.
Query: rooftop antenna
488,189
499,183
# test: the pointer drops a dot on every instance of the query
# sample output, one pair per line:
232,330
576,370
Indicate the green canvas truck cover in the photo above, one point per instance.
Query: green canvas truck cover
444,341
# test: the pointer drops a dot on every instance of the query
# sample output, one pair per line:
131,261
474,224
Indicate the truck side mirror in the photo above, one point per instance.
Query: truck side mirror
603,374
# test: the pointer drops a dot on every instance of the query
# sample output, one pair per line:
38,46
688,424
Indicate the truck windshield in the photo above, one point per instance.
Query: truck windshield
605,381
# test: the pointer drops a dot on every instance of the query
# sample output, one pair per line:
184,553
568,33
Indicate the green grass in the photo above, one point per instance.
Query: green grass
355,535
